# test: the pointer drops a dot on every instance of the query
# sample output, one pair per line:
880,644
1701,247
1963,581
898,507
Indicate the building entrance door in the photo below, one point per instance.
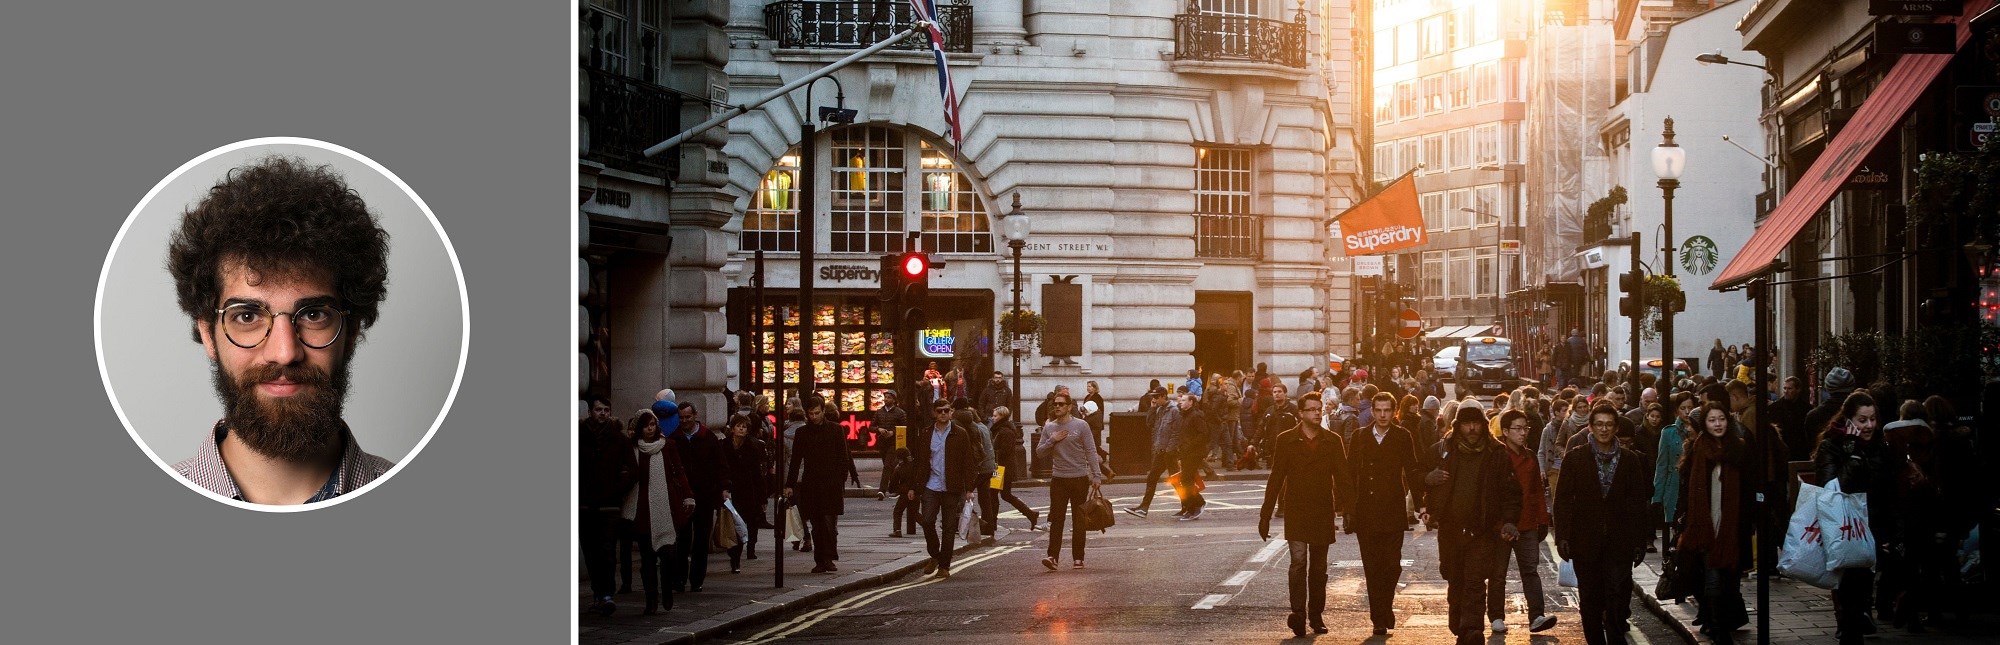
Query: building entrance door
1222,331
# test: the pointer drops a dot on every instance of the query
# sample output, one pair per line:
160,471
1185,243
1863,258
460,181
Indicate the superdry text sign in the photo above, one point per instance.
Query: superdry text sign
1389,221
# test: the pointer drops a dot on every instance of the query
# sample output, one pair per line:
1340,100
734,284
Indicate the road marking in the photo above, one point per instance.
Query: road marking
814,617
1241,578
1210,601
1269,550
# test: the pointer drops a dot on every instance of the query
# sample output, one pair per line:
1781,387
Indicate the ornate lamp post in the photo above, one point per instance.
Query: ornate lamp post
1669,160
1015,227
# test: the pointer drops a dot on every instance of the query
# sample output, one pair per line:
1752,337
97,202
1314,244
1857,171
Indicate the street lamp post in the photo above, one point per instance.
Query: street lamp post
1669,159
1015,226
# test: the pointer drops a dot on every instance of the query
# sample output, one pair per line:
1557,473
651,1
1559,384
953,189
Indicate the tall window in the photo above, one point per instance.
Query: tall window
1511,140
1485,85
1486,144
1485,22
772,223
1459,263
1460,86
1406,43
1486,199
1459,143
954,220
1385,105
1385,47
1484,270
1434,275
1510,78
1433,35
1224,226
1406,99
1232,33
627,36
1433,207
1460,26
1456,202
1385,160
1433,93
1433,159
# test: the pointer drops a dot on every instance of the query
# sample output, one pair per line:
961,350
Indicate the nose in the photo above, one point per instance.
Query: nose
283,346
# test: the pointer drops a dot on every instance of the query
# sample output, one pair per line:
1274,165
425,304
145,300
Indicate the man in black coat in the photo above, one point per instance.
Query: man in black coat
1191,427
947,474
605,471
707,464
885,422
1602,516
1474,499
1309,468
812,481
1383,458
995,395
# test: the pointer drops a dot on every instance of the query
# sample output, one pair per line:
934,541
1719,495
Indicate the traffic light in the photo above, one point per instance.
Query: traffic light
891,275
913,272
1631,283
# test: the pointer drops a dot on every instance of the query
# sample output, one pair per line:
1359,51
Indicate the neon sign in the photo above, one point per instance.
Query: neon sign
935,343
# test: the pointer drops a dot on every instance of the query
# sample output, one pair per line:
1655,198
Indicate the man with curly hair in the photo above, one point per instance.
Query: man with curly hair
280,268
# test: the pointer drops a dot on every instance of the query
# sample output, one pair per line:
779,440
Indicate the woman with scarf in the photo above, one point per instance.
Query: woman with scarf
749,458
1666,468
660,501
1714,497
1851,451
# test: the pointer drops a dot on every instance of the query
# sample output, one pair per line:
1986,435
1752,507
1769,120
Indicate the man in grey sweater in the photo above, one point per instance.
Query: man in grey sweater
1073,469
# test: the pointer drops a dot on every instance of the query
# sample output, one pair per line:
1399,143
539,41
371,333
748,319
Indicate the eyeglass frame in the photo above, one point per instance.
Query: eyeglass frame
297,331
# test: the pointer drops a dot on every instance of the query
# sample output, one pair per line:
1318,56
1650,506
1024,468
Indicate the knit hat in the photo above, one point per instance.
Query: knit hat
1839,379
1431,403
665,395
1468,414
669,414
1361,374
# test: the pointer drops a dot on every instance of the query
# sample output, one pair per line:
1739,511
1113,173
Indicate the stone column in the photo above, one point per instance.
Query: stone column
998,22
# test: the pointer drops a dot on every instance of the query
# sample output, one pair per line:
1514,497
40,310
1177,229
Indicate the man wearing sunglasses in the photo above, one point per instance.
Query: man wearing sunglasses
280,269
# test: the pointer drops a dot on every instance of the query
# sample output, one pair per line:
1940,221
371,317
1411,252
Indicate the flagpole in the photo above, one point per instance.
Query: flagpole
740,110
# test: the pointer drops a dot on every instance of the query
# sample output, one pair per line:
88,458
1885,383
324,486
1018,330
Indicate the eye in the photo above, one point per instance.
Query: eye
245,315
312,315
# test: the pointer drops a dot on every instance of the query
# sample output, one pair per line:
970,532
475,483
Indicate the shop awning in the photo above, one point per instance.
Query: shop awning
1469,331
1443,332
1877,115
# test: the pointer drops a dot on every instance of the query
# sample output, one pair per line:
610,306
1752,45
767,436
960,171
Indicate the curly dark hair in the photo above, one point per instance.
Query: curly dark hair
281,217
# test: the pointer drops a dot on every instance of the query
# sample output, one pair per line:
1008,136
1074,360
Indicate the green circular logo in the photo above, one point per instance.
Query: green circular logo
1699,255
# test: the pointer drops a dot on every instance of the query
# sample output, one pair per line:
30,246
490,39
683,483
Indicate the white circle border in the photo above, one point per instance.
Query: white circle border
464,316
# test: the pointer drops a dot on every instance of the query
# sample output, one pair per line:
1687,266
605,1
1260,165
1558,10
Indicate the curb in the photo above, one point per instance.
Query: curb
798,598
1642,583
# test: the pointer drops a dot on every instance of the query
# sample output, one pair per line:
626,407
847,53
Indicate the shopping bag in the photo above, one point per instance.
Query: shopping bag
1095,513
795,525
999,480
1186,484
1680,575
1566,574
1804,556
1843,520
722,533
968,523
742,527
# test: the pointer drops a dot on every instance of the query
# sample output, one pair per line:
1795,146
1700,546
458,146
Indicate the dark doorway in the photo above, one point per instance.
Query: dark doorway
1222,332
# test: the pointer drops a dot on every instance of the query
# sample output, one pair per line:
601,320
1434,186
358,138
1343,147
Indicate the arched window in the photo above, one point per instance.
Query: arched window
876,184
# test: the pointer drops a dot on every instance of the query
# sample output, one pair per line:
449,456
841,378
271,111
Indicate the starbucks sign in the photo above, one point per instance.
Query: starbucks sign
1699,255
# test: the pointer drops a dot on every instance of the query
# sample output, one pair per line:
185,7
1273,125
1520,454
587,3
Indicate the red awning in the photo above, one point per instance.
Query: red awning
1877,115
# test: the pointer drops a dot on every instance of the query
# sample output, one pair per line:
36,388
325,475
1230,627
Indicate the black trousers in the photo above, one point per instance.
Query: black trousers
989,505
950,505
1163,462
889,463
1191,466
1604,594
1468,561
1066,494
1307,579
651,561
1382,566
825,538
690,549
1851,602
594,535
898,517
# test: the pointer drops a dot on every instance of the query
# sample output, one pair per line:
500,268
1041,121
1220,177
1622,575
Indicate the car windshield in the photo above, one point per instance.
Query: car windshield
1485,352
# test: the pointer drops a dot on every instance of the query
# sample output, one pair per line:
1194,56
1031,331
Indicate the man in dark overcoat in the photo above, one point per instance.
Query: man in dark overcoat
1602,513
1309,468
812,480
1384,459
1474,500
707,465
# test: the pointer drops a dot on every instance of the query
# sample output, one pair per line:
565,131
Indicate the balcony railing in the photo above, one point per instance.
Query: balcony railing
1214,37
1225,236
626,116
850,24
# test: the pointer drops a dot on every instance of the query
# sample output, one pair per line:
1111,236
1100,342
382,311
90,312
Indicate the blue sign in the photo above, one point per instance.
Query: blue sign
935,343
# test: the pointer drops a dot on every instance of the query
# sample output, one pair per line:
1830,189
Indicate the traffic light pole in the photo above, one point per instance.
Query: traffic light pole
1638,314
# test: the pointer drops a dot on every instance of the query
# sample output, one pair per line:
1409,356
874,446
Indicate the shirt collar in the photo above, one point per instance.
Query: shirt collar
207,470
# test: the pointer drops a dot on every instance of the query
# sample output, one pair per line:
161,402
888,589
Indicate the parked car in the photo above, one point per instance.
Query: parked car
1487,365
1445,363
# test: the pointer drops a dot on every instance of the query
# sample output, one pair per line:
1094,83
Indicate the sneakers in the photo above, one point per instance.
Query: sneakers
1499,626
1136,512
895,534
1076,565
1049,562
1192,516
605,607
1541,623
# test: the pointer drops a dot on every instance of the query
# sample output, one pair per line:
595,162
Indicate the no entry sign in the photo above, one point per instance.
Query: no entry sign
1412,324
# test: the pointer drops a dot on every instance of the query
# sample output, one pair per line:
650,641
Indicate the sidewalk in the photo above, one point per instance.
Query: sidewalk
1802,613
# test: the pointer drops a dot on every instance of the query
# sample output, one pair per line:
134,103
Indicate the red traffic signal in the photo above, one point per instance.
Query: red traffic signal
915,264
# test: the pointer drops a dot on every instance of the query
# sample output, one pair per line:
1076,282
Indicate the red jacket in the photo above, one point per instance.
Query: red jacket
1534,500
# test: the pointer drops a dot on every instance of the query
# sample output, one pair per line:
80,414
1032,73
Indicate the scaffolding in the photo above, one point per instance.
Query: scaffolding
1570,84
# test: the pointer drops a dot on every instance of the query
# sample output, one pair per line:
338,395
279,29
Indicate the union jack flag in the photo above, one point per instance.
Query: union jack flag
927,12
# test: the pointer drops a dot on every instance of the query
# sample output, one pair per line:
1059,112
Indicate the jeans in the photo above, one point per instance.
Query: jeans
652,560
1162,463
594,534
1527,554
690,550
1307,579
1066,493
1382,566
1722,603
950,505
1604,594
898,518
1468,561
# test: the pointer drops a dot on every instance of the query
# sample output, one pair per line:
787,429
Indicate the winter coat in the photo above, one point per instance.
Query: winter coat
1615,525
1385,474
819,462
1862,467
707,464
1534,496
1499,499
1313,482
961,459
605,467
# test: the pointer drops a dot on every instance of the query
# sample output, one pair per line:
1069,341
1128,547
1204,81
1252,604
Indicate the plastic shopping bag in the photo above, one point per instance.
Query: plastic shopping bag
1843,519
795,525
968,523
722,535
1804,557
742,527
1566,574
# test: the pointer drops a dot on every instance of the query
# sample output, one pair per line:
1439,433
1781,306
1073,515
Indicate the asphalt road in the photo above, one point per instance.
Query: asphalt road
1156,580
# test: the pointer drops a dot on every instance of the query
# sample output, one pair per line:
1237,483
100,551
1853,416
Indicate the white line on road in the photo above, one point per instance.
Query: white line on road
1241,578
1269,550
1211,600
808,619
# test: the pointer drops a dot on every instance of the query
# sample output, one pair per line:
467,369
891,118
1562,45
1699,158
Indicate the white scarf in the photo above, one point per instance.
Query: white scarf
660,504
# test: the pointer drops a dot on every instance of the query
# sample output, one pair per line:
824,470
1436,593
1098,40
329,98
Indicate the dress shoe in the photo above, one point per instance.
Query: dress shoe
1317,623
1297,623
1381,631
819,569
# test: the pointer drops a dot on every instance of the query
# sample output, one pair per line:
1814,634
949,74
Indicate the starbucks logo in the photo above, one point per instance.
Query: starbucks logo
1699,255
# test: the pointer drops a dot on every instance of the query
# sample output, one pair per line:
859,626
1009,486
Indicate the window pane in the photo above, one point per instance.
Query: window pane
1224,225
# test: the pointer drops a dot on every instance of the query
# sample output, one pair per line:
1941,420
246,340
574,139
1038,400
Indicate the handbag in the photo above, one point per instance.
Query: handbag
795,525
1095,513
1680,575
721,533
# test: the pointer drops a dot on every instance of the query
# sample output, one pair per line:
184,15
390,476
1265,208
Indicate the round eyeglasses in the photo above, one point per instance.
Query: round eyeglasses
247,325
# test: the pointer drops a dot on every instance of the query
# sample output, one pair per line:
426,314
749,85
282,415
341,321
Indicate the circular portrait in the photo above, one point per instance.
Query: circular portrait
281,324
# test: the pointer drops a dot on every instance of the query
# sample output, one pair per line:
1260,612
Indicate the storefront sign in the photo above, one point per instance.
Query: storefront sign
1916,38
1914,7
935,343
1368,265
1510,247
850,273
1699,255
1390,220
1869,178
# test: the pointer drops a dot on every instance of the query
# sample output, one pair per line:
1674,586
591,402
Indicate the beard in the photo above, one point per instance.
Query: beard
301,427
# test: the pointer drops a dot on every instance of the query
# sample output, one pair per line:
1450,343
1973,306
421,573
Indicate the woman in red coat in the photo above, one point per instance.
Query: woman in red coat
660,501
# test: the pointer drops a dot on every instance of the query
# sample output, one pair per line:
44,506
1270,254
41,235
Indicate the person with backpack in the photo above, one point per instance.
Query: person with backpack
1346,418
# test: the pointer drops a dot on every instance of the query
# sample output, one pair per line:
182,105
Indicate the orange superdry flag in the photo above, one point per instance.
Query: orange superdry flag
1389,221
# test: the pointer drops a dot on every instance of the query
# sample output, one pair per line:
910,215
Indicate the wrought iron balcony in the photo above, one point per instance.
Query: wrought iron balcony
852,24
626,116
1214,37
